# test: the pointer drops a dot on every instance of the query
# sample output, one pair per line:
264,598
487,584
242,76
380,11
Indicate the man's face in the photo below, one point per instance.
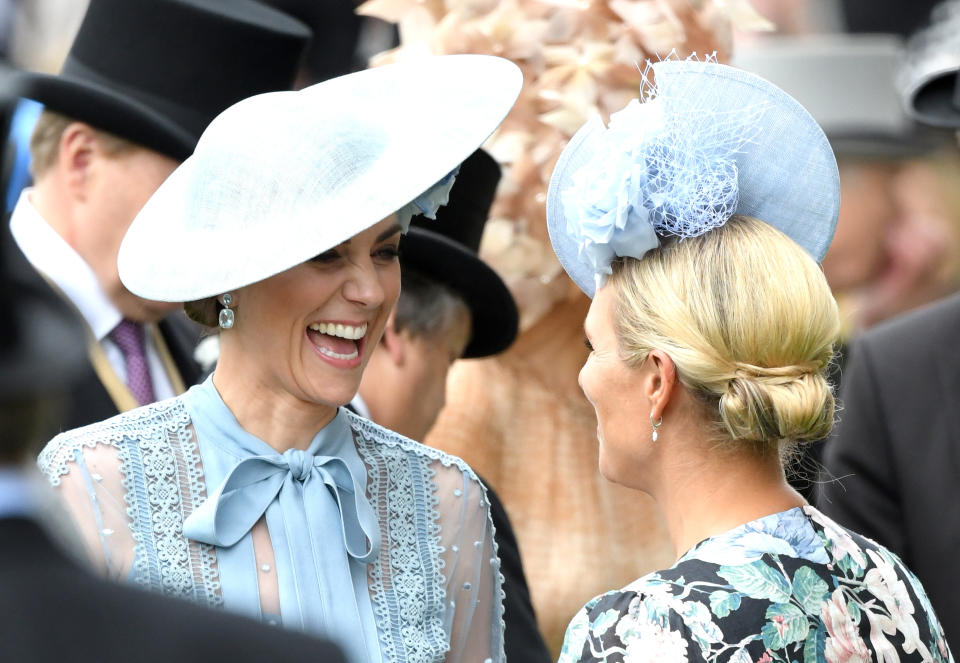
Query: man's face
857,255
118,188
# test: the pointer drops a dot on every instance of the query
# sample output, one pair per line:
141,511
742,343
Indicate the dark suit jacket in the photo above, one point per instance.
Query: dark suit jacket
896,450
52,610
522,640
88,400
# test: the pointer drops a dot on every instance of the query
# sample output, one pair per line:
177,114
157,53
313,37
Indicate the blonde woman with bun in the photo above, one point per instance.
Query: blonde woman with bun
695,221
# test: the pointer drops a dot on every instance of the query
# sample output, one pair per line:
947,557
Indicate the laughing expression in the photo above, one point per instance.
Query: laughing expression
309,331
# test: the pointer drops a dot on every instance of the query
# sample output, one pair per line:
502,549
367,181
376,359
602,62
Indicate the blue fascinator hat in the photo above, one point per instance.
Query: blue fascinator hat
708,142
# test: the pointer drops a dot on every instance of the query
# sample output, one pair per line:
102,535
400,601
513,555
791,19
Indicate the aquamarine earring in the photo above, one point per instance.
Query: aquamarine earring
227,317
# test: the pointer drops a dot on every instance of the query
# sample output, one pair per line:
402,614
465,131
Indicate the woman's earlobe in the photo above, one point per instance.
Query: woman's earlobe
663,380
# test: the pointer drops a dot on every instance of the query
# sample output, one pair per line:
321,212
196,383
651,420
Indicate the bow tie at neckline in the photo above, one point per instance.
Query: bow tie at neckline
256,481
299,462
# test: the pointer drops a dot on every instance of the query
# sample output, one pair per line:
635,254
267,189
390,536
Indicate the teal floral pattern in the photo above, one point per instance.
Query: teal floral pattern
792,587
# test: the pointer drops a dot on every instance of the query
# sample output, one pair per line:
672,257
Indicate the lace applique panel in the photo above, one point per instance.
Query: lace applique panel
129,482
443,589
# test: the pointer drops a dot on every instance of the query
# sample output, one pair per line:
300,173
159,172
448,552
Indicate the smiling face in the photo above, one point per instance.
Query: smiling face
615,390
309,331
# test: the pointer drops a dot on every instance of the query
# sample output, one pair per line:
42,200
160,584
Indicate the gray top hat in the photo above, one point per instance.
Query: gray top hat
930,79
848,83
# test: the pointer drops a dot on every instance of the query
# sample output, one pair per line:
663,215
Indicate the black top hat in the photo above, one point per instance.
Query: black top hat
42,340
156,72
446,251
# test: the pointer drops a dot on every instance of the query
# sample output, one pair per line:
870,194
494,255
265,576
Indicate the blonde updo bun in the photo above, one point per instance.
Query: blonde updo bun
749,321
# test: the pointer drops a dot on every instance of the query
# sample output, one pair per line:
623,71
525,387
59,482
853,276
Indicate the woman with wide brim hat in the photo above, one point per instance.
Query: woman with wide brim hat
695,222
255,490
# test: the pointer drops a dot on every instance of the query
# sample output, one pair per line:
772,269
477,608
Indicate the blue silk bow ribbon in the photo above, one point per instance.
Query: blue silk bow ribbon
323,530
253,484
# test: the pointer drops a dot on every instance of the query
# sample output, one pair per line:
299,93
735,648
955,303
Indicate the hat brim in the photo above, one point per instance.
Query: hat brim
107,109
933,100
493,311
279,178
928,80
794,187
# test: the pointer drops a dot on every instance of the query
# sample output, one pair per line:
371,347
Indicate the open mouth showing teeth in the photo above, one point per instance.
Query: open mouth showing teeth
336,340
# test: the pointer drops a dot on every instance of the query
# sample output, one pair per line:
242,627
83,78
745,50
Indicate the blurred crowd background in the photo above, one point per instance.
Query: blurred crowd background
520,418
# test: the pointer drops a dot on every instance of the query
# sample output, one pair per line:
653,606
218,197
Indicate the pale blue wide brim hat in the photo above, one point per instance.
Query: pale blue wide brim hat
279,178
714,141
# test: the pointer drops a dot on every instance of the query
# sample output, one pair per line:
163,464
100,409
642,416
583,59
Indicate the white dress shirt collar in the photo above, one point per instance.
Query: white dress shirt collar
54,258
360,406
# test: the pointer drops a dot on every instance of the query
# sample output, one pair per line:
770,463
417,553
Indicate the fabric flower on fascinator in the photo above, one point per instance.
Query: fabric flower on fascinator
428,202
661,170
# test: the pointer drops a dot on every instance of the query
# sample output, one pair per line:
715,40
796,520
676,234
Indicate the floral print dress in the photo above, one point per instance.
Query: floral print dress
793,586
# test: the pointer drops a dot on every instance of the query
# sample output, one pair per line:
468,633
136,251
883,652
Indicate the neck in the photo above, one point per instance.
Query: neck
268,411
702,499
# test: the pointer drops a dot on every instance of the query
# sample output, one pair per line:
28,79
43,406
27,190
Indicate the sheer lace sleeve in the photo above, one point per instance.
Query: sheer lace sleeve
128,483
87,477
474,615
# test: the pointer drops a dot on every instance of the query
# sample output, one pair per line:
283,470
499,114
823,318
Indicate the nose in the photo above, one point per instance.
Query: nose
363,285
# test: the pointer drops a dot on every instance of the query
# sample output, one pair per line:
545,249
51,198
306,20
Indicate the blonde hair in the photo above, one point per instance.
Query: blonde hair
749,321
45,141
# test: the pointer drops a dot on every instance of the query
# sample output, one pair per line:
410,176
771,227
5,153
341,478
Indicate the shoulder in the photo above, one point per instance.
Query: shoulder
377,438
122,429
926,330
650,610
896,361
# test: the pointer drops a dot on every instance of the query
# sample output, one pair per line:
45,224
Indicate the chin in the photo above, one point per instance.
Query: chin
328,394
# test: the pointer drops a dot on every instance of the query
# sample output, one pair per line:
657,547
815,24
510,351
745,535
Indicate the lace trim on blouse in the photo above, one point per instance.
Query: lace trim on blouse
415,596
162,478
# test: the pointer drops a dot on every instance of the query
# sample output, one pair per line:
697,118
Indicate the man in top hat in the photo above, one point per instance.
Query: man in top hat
892,465
452,306
52,608
141,82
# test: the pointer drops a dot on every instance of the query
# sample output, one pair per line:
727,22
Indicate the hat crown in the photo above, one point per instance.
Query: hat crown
156,72
198,53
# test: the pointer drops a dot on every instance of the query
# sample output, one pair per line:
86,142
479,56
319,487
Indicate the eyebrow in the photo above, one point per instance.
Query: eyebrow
393,230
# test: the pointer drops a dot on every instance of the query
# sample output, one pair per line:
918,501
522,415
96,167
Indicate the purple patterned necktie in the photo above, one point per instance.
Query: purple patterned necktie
129,337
